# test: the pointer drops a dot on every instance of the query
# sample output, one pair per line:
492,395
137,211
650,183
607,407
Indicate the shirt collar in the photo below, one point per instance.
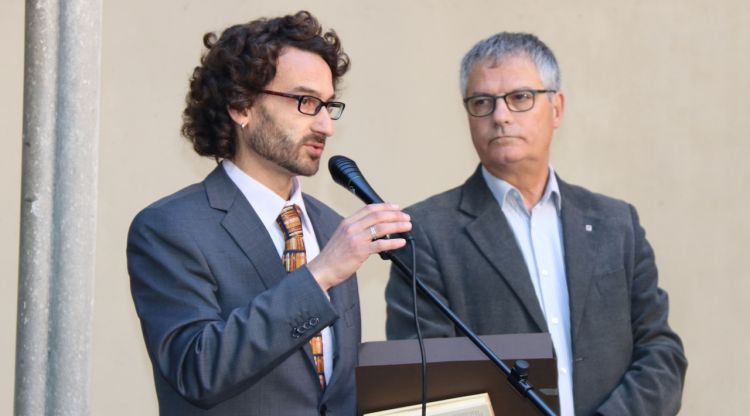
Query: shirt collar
501,189
266,203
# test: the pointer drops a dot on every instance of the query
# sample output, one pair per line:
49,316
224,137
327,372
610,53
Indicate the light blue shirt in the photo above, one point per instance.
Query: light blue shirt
268,206
539,235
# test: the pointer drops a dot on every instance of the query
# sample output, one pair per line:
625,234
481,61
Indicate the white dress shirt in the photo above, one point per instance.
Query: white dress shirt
268,205
539,235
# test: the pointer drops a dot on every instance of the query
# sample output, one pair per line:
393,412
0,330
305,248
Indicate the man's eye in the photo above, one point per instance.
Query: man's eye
308,101
521,96
480,101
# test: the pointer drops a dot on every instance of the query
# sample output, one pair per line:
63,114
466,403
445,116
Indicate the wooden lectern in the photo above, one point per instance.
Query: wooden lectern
388,375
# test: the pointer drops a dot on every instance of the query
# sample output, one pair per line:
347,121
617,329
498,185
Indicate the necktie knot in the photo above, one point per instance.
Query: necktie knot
290,222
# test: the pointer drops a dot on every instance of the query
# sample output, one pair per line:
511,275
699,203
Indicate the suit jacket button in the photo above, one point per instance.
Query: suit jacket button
314,321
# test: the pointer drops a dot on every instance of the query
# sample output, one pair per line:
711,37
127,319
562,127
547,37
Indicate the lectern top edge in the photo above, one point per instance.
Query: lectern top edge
506,346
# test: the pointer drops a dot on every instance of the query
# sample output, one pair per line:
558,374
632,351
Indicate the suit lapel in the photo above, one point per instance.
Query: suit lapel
495,240
323,229
244,226
582,236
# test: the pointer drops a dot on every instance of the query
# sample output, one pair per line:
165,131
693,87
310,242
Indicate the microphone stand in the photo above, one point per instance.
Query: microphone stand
516,376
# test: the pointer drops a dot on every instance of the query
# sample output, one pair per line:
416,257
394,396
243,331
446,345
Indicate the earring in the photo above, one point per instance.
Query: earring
243,125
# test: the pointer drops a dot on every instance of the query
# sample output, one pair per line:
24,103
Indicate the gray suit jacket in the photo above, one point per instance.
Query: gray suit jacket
225,326
627,361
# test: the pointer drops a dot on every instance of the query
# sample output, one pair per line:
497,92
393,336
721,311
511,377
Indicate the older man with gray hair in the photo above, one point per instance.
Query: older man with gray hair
517,250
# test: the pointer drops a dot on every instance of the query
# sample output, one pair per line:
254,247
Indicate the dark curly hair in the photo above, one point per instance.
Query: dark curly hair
241,63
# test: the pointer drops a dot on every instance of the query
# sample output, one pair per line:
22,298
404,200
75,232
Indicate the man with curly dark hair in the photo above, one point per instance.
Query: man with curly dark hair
244,285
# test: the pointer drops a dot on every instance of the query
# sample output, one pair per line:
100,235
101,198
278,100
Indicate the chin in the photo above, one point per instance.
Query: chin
307,169
499,161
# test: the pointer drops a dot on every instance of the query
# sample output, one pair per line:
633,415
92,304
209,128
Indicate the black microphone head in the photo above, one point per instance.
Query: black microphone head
346,173
342,170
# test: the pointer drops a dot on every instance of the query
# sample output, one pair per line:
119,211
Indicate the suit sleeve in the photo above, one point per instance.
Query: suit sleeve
398,294
208,355
652,384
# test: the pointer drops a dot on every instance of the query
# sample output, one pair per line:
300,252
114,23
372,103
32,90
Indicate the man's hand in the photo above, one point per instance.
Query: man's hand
352,242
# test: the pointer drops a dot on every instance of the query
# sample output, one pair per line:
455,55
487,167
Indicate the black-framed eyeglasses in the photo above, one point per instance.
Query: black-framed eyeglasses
309,105
517,101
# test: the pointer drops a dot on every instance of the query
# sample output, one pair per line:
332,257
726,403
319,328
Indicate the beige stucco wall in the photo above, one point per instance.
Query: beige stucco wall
656,114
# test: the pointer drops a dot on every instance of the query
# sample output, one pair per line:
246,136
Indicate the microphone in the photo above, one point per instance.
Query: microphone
346,173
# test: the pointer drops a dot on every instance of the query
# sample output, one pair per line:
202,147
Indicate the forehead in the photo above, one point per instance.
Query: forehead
303,72
498,76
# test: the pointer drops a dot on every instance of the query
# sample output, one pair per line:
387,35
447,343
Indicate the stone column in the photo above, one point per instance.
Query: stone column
58,206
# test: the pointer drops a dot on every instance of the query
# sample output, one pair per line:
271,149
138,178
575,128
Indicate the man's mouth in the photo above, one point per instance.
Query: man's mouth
315,146
503,138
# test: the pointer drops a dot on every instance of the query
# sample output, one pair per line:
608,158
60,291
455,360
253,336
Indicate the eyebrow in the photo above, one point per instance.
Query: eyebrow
310,91
522,88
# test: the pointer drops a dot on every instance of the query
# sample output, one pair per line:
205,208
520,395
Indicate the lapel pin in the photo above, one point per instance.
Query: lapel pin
589,227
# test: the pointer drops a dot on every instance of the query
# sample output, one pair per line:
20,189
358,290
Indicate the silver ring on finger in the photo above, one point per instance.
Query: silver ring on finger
373,233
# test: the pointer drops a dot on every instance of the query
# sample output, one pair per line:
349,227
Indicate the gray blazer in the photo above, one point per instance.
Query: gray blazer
225,326
627,361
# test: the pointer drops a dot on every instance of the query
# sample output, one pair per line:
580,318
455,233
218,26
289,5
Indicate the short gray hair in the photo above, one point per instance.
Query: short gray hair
503,45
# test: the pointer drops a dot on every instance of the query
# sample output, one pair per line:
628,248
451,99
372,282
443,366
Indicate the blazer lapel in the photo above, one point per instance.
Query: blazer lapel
493,236
323,229
244,226
582,237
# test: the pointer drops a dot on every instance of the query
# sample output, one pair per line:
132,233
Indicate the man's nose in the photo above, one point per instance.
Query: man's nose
502,114
323,124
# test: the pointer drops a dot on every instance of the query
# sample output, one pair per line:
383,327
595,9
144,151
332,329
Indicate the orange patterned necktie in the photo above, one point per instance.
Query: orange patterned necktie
293,257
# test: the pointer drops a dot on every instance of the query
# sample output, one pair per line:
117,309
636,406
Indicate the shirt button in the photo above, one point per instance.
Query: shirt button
564,370
555,320
544,272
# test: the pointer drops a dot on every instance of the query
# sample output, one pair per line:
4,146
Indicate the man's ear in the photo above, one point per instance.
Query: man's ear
558,108
241,117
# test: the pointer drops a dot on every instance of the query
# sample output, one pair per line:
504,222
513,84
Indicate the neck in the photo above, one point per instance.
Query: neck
273,176
530,183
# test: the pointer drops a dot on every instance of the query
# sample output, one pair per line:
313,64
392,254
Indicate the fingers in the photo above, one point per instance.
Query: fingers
386,223
380,230
388,244
379,214
375,221
373,209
